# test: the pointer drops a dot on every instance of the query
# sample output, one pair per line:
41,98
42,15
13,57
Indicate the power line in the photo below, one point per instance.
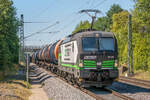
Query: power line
92,3
70,15
34,22
71,22
39,33
44,10
42,30
100,3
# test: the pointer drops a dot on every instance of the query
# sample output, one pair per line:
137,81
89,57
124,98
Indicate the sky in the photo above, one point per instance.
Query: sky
60,15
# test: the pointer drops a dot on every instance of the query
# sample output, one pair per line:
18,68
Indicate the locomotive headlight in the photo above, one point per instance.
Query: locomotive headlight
80,64
116,63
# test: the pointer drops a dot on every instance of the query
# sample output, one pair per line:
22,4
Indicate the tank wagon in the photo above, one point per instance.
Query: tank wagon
86,58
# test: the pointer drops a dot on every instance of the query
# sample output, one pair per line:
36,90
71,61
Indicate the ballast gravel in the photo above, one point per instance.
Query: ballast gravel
57,89
135,92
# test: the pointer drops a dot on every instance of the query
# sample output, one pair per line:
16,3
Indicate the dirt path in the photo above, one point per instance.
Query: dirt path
38,93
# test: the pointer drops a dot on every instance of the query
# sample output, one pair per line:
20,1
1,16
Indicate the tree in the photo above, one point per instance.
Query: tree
82,25
120,29
102,24
115,8
141,26
8,35
142,15
141,36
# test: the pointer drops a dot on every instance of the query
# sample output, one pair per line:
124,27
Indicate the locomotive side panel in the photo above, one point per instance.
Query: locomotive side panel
68,57
69,52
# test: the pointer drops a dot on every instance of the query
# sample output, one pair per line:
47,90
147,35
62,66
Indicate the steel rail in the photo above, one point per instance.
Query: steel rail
137,82
118,94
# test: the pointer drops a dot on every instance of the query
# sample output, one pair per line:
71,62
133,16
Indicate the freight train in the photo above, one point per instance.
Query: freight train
87,58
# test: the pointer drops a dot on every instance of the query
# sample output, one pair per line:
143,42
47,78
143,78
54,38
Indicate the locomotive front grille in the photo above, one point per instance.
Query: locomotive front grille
108,64
89,63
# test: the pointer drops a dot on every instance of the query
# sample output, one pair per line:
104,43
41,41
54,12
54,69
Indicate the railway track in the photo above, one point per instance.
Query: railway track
109,94
133,81
124,97
97,94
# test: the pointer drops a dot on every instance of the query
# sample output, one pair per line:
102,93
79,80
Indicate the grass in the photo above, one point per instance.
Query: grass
14,90
14,87
140,74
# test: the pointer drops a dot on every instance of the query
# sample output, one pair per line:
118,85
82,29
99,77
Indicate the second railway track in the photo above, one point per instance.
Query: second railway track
137,82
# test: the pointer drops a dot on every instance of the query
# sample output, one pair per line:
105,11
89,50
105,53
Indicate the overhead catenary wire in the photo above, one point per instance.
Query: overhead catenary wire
100,3
43,10
71,15
41,30
35,22
66,18
72,21
92,3
82,7
64,27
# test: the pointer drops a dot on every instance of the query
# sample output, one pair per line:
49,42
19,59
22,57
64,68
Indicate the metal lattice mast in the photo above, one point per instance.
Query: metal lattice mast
21,56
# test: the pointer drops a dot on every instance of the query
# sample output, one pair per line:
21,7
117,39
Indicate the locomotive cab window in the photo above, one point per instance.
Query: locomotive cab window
106,44
89,44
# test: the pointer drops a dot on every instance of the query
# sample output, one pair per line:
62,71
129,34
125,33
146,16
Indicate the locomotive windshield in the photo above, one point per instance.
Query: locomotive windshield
89,44
106,44
97,44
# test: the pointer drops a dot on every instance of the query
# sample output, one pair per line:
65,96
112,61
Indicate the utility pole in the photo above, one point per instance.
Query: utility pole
88,11
27,67
21,46
130,50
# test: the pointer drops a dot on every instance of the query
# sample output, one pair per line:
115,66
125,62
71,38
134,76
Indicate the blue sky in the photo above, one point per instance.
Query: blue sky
64,11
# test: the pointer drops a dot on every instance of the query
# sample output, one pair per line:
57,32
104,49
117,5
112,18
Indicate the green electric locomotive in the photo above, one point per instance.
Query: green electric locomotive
87,58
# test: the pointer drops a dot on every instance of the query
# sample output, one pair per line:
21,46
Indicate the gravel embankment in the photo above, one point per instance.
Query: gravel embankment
57,89
135,92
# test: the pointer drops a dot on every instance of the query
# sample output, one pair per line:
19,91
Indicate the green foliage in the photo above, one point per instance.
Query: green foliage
116,20
140,50
149,63
120,29
142,15
82,25
8,36
141,35
115,8
102,24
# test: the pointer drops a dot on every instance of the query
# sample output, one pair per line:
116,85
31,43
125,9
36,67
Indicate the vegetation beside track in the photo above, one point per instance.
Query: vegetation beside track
116,20
143,75
9,41
14,87
14,90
